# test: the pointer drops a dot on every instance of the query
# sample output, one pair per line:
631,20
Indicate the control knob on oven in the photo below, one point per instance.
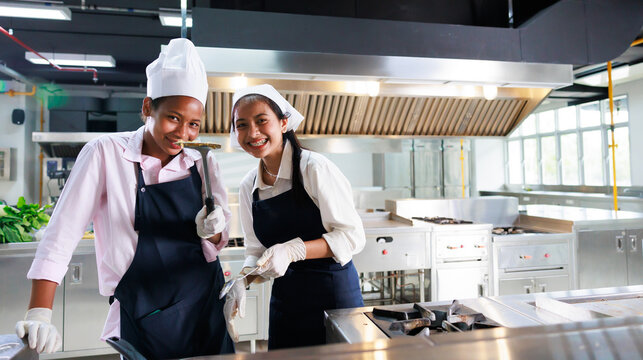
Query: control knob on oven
547,255
526,257
384,252
227,273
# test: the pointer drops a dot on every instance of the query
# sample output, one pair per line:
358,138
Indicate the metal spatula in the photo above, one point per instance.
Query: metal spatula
228,285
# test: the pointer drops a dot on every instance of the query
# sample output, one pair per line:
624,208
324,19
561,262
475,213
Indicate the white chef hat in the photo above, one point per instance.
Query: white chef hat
178,71
268,91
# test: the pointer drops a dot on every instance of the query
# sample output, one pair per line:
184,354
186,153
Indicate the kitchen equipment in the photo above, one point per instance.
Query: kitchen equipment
532,262
203,148
14,348
228,285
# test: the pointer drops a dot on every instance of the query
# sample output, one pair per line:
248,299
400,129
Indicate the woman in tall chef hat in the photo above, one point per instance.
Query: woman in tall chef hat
298,218
144,194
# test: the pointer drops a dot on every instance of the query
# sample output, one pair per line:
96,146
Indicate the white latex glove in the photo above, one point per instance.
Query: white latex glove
235,304
275,260
43,337
214,223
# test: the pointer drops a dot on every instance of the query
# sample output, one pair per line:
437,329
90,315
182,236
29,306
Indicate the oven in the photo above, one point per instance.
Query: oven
528,263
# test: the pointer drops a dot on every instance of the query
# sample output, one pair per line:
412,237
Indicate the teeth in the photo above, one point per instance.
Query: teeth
259,143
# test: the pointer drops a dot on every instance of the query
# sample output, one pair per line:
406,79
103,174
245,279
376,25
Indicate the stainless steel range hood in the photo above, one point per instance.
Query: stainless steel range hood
417,96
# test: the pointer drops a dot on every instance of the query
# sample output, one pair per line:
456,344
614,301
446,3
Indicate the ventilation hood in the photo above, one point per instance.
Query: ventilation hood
430,74
416,97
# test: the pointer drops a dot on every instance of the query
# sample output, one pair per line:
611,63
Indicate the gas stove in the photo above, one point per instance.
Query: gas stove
513,230
427,320
442,220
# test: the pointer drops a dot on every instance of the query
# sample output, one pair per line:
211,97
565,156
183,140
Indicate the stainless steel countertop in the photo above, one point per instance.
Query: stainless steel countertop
585,216
612,338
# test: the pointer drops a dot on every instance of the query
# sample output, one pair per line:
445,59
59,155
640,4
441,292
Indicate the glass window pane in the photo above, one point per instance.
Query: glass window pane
620,111
531,161
622,138
567,118
546,122
569,159
590,115
548,159
515,166
515,133
528,127
593,157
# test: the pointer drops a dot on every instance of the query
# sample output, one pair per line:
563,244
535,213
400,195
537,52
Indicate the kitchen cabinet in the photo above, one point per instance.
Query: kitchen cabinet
610,258
15,288
461,282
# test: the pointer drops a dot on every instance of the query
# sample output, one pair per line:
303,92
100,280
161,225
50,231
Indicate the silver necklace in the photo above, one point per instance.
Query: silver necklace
263,164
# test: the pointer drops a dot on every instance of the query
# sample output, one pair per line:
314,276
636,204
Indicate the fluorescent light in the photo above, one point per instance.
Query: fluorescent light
173,19
81,60
35,11
238,82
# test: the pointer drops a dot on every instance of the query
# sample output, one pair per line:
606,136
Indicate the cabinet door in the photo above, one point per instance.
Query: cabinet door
15,290
85,309
602,260
516,286
634,257
461,283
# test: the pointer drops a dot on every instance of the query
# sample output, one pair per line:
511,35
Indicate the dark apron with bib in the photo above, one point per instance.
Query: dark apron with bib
309,287
169,295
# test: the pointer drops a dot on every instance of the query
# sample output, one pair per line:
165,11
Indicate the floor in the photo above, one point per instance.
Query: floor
241,347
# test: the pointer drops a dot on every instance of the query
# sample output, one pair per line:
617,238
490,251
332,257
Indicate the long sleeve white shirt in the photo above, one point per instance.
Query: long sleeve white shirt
327,187
102,188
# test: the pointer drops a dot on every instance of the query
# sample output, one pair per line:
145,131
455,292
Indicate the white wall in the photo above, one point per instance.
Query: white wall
18,138
488,164
634,92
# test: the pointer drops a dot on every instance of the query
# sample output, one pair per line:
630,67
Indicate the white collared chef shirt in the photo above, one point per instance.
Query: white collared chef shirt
102,188
327,187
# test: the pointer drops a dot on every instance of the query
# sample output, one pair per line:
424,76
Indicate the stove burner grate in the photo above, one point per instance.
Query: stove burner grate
442,220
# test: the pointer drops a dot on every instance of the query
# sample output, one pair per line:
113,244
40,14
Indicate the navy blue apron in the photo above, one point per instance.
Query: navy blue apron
308,287
169,295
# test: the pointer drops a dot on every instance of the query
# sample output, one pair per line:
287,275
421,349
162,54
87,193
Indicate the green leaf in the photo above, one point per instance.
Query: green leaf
2,237
12,235
10,210
44,218
21,202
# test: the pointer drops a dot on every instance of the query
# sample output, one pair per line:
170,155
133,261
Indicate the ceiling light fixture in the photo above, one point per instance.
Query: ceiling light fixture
82,60
370,88
174,19
238,82
489,92
35,11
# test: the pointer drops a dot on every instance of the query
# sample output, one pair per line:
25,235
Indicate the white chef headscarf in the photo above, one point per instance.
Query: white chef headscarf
268,91
177,71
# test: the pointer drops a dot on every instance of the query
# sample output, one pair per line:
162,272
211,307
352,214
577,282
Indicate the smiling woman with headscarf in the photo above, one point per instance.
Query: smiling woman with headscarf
298,219
144,194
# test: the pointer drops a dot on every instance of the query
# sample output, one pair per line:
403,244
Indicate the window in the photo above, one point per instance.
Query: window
569,159
515,162
569,146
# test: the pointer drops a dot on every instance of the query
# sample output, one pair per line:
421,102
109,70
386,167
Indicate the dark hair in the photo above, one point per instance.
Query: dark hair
154,104
297,178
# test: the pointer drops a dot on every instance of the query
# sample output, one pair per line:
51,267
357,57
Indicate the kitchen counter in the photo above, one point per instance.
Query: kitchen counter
582,217
612,337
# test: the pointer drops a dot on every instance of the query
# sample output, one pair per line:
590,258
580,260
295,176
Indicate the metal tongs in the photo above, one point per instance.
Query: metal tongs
228,285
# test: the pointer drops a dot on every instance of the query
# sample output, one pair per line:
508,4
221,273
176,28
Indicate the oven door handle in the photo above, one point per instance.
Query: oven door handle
384,239
532,269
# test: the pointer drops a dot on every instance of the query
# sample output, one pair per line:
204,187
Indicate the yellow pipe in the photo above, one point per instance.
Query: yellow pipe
462,165
41,156
637,42
14,93
610,94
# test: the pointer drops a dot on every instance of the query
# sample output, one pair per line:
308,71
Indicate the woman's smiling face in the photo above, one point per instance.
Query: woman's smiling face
175,118
259,130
